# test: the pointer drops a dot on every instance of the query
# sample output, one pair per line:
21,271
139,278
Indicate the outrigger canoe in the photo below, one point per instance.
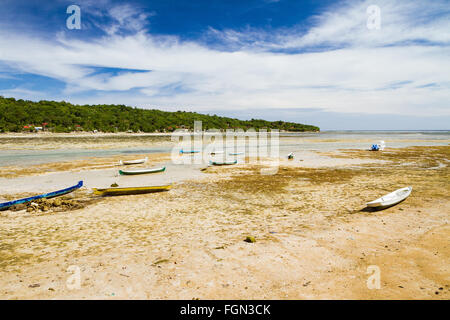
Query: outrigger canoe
130,190
189,151
141,171
391,198
129,162
42,196
222,163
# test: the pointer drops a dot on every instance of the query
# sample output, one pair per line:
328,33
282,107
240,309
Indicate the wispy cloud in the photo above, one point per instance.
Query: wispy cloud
128,18
345,25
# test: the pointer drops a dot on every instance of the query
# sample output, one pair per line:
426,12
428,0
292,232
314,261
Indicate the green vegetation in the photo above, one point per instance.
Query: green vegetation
16,115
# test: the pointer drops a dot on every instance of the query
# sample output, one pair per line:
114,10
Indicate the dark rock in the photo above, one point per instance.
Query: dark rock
250,239
17,207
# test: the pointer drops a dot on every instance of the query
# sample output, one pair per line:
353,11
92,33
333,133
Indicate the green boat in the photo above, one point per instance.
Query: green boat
222,163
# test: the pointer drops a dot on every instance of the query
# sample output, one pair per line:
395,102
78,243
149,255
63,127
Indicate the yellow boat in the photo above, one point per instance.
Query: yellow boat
130,190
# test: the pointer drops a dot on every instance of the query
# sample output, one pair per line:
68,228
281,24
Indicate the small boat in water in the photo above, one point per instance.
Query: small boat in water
130,162
391,198
49,195
189,151
130,190
235,153
222,163
216,152
141,171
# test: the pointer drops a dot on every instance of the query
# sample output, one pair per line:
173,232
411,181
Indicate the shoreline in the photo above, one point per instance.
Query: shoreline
81,134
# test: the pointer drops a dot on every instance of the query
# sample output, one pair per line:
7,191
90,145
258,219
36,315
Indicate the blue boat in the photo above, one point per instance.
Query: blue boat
54,194
189,151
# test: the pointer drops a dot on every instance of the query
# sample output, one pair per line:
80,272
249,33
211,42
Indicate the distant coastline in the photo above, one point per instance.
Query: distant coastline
64,117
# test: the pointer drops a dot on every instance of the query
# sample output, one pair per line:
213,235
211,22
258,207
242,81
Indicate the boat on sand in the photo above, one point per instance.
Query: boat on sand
130,190
130,162
222,163
49,195
141,171
379,146
390,199
189,151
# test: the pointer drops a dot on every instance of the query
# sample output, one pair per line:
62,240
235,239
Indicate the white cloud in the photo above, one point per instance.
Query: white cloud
128,18
368,71
345,24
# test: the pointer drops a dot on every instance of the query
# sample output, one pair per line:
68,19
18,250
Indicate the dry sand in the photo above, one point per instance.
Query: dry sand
313,240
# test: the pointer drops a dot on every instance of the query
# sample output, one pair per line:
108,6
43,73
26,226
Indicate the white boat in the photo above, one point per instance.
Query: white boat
216,152
141,171
378,146
391,198
129,162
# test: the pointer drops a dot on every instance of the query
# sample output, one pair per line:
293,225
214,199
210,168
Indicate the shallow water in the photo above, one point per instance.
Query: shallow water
30,151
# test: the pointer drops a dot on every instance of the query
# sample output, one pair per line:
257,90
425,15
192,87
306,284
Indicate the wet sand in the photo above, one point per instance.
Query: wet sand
314,240
51,141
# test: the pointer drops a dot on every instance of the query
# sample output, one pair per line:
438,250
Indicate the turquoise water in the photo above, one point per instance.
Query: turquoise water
333,140
30,157
289,142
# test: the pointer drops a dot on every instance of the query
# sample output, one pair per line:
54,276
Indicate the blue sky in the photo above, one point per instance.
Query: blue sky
317,62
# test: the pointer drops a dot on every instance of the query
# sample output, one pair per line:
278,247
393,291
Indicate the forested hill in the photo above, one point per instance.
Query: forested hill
20,115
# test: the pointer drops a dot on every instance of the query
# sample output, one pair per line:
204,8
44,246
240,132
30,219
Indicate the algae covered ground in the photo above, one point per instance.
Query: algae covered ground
312,236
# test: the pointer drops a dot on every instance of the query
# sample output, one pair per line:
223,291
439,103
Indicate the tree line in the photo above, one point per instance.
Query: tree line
22,115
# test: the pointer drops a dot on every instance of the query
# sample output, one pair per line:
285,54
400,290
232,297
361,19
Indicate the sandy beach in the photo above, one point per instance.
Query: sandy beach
314,237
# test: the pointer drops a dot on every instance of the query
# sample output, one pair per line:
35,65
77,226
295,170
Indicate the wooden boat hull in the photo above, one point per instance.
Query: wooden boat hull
226,163
131,162
130,190
391,199
141,171
49,195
